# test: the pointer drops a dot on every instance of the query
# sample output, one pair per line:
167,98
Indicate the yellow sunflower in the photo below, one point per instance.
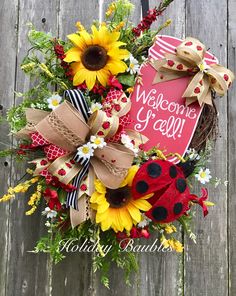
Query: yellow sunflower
96,56
115,208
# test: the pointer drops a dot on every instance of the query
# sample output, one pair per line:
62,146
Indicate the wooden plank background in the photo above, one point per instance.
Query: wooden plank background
205,269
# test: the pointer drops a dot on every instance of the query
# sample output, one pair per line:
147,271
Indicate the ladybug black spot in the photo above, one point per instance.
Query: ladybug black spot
173,172
142,187
178,208
160,213
154,170
181,185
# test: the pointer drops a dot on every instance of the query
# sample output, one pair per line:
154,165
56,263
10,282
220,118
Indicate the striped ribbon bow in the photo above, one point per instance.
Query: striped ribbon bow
67,129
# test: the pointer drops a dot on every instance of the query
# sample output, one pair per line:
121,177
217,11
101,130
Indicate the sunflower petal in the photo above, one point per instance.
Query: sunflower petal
86,37
116,219
142,204
118,53
99,186
76,66
102,76
73,55
134,212
116,66
103,207
147,196
90,79
77,41
106,223
95,32
80,76
126,219
101,216
97,197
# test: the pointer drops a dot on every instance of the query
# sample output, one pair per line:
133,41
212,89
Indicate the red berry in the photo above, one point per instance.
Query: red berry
199,48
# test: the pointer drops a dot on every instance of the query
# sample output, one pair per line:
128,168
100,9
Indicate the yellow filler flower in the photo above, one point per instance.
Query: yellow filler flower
96,56
115,207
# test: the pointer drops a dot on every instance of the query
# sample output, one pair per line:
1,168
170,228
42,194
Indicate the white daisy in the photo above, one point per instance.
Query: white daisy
54,101
97,142
95,107
49,213
125,139
133,65
192,154
144,222
203,176
48,224
85,151
128,143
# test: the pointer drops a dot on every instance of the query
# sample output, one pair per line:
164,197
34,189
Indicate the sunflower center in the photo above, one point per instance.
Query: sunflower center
94,58
118,198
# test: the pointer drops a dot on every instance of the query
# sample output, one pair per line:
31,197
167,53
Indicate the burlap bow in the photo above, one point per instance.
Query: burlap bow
189,61
66,128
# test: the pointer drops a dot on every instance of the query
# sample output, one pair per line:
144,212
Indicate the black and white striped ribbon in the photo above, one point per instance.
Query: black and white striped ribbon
77,99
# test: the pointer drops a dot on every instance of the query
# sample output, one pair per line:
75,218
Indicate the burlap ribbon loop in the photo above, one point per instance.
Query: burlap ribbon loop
189,61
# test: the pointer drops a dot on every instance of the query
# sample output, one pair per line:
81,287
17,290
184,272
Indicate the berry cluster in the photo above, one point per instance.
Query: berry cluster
146,22
60,53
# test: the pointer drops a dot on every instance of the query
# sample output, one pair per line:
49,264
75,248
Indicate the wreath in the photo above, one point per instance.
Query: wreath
101,189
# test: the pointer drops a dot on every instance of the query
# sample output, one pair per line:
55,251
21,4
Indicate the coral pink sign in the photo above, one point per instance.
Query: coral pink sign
158,110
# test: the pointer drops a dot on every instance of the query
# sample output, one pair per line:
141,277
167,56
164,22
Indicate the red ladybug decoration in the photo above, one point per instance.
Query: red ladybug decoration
171,194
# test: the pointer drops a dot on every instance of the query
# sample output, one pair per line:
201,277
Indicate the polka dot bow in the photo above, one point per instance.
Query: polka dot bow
189,61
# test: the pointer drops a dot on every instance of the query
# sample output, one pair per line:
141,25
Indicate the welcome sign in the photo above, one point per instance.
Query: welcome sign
158,110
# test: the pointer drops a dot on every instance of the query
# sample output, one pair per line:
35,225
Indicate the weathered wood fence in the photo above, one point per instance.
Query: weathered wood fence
205,269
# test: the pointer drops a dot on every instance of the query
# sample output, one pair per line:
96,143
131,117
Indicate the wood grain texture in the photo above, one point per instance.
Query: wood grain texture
8,47
232,150
28,278
206,263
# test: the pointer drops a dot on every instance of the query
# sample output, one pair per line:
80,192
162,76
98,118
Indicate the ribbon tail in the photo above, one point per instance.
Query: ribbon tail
84,211
164,74
197,89
220,78
71,200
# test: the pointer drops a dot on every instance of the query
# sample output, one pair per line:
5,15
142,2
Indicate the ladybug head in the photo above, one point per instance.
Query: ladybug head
187,167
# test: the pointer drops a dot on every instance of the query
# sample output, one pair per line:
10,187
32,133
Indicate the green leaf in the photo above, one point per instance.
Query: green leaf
126,79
